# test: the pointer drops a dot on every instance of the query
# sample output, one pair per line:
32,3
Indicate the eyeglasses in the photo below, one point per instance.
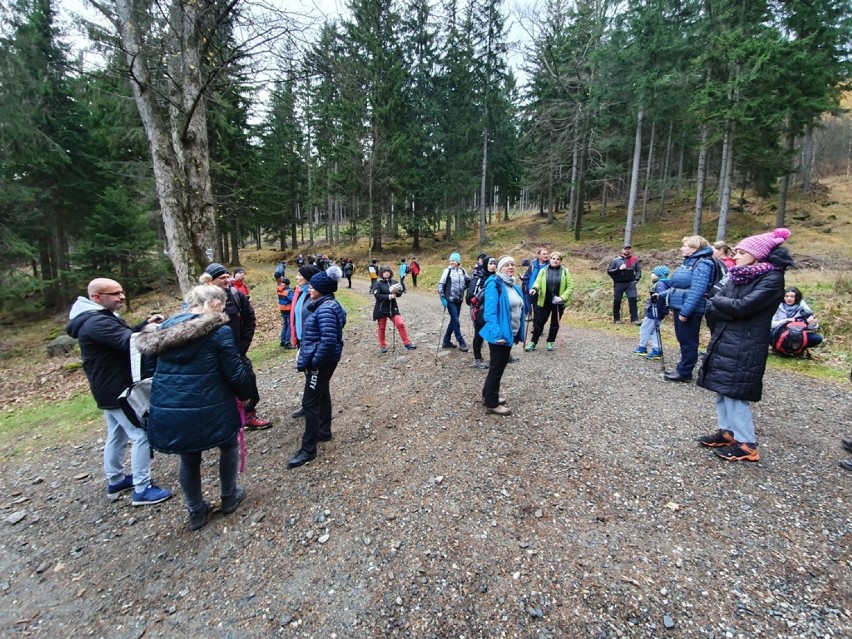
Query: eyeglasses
115,293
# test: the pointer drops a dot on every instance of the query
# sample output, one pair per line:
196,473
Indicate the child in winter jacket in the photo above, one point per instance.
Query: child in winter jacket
656,310
285,302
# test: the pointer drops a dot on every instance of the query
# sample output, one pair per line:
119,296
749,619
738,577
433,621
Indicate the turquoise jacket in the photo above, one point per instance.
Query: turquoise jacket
498,319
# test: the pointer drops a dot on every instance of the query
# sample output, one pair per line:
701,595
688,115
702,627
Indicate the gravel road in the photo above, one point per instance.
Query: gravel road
590,512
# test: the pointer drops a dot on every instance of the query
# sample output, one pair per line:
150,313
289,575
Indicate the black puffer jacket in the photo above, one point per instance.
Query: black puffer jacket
386,305
736,357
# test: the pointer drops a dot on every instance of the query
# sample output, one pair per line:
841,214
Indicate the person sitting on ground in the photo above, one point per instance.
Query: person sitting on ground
794,309
386,293
551,292
199,378
736,359
656,310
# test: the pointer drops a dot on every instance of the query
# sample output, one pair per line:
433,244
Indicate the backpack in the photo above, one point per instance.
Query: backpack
791,339
718,281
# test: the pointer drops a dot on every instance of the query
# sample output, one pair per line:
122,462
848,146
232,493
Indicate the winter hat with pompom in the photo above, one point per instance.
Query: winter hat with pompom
326,281
760,246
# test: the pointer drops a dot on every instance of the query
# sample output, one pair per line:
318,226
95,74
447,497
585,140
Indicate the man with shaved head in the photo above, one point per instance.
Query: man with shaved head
104,340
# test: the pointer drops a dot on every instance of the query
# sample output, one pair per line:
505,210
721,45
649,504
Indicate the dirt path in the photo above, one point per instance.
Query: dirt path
588,513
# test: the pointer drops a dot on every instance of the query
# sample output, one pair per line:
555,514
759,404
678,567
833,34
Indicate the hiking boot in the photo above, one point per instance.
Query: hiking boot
410,347
640,350
198,519
499,409
478,363
500,400
655,354
636,322
512,360
383,349
253,422
717,440
739,452
230,503
845,463
618,321
463,348
530,347
551,346
151,495
299,412
847,444
114,490
674,376
300,459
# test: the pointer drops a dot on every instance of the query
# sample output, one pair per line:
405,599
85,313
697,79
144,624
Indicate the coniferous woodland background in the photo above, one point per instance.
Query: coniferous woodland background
195,124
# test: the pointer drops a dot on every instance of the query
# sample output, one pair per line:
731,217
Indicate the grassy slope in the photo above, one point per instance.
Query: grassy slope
44,401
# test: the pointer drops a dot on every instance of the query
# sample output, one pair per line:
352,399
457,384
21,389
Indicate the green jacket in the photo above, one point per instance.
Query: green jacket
566,286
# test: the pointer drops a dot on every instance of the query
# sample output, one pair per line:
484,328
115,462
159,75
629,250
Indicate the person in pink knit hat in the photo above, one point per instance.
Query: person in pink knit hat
736,356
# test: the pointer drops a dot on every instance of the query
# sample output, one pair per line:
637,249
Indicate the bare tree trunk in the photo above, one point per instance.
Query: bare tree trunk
664,178
785,185
679,186
648,172
483,238
572,199
807,159
634,179
725,195
179,150
700,180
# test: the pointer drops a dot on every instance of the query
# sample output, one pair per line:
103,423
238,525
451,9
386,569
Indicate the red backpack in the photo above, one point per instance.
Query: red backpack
792,339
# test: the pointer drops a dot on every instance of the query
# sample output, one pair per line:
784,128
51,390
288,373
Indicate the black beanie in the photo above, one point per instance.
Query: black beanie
214,270
308,271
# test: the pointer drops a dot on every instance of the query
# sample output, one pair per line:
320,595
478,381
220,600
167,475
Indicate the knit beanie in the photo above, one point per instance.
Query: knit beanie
214,270
326,281
308,271
503,261
760,246
455,257
661,271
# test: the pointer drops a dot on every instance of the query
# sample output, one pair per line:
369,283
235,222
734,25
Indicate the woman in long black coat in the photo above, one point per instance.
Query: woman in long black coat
736,357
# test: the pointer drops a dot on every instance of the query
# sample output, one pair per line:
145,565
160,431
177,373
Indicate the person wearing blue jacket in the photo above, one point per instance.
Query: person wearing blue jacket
319,354
687,301
655,312
199,377
504,326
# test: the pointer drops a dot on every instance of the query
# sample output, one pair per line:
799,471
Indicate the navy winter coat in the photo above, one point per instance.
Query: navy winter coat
199,374
736,357
322,334
689,283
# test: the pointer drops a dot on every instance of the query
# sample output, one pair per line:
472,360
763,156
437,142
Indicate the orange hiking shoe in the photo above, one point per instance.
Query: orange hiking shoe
717,440
253,422
739,452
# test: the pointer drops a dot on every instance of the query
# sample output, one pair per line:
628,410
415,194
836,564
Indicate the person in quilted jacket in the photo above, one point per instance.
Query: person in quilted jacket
199,377
319,353
736,356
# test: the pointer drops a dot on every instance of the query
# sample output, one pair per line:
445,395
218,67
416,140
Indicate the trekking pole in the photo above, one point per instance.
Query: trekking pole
393,336
440,330
656,313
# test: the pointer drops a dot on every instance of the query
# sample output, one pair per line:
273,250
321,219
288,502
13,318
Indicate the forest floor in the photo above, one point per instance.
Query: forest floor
589,512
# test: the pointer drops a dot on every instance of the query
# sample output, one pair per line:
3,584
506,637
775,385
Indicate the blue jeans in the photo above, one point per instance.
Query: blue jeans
648,334
190,474
120,432
285,326
454,309
687,336
735,415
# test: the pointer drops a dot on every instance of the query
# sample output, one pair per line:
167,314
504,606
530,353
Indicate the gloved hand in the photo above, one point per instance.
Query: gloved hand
444,302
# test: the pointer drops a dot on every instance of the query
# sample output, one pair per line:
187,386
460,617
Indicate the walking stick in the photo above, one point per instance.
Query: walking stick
655,312
440,330
393,337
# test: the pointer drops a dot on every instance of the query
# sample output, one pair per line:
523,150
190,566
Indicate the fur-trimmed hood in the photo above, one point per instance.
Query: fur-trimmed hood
178,331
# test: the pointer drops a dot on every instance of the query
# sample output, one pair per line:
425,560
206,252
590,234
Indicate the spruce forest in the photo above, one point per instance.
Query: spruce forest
182,126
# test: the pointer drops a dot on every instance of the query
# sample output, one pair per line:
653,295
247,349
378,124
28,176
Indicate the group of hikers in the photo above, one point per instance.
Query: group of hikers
203,392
